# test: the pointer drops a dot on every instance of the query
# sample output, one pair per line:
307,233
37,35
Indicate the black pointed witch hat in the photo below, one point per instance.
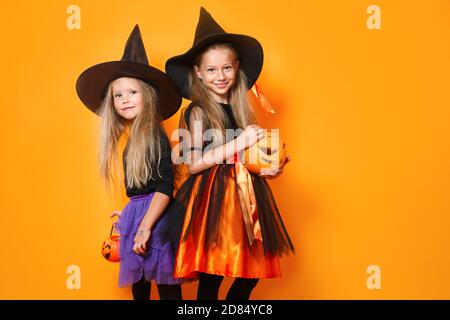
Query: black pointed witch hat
250,52
92,83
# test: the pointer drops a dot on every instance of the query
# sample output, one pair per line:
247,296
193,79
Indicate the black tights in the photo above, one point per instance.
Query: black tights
141,291
209,284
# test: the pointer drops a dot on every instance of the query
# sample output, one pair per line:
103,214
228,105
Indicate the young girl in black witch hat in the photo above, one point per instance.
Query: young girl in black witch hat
132,98
218,237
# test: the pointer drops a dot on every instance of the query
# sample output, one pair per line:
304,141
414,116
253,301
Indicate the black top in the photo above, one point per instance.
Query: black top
156,183
232,124
231,121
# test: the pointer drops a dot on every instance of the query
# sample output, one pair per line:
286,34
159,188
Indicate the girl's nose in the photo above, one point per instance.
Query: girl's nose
125,99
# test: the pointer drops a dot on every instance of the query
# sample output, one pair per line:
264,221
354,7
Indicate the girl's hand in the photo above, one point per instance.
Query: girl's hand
140,240
252,134
275,172
116,214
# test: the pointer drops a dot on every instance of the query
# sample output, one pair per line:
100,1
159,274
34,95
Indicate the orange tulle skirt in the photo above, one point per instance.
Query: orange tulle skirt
213,234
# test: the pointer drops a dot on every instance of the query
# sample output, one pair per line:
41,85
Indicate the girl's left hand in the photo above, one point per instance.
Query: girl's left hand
273,173
140,241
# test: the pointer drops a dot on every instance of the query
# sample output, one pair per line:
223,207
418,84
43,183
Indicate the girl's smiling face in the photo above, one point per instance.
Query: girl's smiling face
127,97
217,70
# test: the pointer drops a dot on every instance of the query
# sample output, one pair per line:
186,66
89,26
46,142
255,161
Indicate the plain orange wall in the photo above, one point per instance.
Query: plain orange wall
364,114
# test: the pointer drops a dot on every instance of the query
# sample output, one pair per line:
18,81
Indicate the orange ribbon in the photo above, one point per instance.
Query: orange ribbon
263,101
248,203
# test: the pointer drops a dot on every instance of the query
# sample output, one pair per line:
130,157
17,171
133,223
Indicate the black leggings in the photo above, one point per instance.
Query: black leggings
209,284
141,291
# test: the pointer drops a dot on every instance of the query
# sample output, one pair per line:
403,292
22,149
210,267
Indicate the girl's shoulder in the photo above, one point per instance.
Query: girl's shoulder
188,110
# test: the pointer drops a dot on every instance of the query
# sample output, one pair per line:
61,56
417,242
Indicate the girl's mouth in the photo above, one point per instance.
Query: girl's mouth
221,85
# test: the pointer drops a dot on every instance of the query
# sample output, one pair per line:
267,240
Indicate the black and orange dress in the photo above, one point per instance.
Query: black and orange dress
232,226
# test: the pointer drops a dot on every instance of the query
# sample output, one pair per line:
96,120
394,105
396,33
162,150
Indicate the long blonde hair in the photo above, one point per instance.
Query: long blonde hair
143,134
238,99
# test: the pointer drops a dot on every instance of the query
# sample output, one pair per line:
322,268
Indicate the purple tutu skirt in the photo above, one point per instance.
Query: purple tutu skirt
158,262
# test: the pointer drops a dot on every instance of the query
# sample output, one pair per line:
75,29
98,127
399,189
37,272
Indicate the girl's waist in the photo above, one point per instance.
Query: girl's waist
140,197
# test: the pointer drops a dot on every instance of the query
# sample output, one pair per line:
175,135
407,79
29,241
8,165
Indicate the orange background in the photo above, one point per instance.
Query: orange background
364,114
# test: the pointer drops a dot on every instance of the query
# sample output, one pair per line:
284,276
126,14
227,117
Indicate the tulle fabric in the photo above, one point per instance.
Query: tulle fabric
158,262
213,238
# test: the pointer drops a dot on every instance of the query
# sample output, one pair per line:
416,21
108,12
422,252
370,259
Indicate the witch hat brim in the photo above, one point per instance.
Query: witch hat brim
92,83
250,53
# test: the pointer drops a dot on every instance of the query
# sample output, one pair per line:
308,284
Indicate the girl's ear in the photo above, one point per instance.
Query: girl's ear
197,72
237,64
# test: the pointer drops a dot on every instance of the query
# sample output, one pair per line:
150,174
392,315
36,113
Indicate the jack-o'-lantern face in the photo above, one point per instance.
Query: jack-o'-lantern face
268,153
111,248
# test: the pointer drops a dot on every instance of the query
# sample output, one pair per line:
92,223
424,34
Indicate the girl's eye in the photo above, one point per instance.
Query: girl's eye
228,68
133,91
210,69
117,95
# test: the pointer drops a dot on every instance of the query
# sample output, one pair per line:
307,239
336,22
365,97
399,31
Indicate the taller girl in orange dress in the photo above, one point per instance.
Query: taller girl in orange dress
232,226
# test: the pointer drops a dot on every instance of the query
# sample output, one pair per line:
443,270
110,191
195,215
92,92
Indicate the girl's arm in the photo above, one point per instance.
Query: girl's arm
157,206
200,160
160,200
